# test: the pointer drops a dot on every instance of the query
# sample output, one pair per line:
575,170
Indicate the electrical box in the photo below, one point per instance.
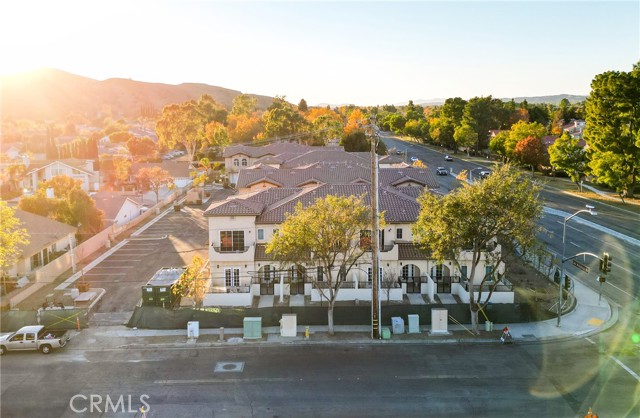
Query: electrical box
397,325
288,325
252,328
439,321
414,324
193,329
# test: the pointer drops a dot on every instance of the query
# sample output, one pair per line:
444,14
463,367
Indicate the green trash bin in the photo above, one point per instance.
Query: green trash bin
386,334
488,326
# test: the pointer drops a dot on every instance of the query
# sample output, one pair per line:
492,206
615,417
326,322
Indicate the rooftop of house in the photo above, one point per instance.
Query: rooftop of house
42,231
261,151
271,206
175,168
334,173
111,202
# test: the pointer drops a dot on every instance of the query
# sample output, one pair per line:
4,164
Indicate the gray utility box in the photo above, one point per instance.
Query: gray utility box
252,328
397,325
414,324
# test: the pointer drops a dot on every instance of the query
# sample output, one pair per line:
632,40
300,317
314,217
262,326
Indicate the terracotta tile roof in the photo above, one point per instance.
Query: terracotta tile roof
261,253
43,232
334,173
261,151
234,207
327,154
411,252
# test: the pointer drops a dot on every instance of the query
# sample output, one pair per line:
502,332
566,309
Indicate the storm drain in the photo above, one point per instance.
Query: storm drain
229,367
529,336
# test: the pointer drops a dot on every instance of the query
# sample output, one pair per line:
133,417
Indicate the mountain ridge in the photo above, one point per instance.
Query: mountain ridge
53,94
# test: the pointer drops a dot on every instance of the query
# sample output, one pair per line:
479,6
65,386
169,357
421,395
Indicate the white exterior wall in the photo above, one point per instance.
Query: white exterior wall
129,211
241,260
58,168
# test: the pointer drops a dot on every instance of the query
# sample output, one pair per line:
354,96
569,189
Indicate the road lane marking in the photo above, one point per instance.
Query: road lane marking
621,364
628,370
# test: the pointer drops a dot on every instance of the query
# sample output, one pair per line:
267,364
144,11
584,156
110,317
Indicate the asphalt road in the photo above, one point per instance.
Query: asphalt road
623,283
383,380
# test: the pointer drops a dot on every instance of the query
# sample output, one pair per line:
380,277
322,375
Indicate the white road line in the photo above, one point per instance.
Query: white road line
119,267
624,366
621,364
105,274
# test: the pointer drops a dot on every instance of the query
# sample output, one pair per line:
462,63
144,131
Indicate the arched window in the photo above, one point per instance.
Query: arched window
244,162
236,162
410,270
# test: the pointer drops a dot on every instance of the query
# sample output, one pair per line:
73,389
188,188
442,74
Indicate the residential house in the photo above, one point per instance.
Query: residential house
575,128
179,169
47,239
119,208
76,169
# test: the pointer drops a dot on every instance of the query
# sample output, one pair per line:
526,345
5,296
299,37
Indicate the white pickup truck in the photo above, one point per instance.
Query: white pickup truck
33,337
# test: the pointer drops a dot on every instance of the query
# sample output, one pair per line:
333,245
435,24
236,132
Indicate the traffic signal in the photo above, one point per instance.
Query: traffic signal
567,282
608,263
605,263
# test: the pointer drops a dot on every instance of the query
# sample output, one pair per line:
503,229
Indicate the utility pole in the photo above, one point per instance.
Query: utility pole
375,261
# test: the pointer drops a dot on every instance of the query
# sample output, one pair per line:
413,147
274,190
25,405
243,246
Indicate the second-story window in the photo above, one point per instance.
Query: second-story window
244,162
231,241
399,233
260,234
236,162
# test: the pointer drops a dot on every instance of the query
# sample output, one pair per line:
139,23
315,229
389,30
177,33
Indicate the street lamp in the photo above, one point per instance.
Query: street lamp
589,210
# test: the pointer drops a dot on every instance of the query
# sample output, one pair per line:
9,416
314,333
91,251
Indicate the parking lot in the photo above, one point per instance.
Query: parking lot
170,240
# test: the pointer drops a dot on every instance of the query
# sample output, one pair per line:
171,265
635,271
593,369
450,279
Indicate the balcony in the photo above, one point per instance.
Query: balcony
227,250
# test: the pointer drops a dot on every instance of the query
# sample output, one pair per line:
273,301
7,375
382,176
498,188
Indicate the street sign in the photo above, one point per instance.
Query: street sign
580,266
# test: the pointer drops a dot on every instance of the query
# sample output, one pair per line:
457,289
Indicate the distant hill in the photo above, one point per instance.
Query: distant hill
555,99
52,94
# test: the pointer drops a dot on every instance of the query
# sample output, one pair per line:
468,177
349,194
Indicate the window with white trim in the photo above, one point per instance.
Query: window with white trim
399,233
370,269
232,276
244,162
236,162
260,234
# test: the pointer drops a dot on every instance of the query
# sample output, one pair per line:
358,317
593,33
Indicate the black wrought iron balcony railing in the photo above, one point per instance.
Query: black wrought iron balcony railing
231,249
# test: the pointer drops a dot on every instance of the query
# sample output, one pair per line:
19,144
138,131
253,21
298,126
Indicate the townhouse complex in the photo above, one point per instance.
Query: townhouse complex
271,180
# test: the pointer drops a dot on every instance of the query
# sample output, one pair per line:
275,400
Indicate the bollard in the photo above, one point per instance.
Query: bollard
221,333
306,332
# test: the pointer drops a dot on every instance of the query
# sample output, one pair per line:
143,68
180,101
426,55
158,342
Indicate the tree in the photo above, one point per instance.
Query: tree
15,173
185,124
192,282
503,209
12,237
120,137
244,104
243,128
520,131
153,179
326,234
465,137
302,105
567,155
612,129
478,114
121,170
141,147
325,127
497,144
70,205
281,119
356,141
530,151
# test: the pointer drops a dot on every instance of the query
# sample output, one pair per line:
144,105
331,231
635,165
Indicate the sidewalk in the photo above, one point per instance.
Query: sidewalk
589,317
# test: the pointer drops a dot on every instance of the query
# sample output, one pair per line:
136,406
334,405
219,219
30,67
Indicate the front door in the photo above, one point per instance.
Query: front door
267,280
296,286
413,284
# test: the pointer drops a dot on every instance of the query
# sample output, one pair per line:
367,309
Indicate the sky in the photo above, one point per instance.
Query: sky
339,52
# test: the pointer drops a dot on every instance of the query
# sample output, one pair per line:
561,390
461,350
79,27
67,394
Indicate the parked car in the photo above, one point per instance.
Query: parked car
448,158
414,159
33,337
484,174
398,152
441,171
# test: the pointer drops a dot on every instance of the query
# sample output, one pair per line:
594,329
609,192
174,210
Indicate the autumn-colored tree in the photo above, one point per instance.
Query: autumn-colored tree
324,233
185,124
12,237
243,128
120,137
153,179
356,121
15,173
121,170
530,151
520,131
193,282
141,147
504,209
